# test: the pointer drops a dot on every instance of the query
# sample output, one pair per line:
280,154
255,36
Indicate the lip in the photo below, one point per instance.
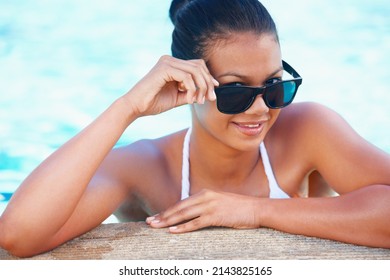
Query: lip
250,128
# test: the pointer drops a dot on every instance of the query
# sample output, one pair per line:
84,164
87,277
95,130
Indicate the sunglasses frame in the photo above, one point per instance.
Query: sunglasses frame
297,79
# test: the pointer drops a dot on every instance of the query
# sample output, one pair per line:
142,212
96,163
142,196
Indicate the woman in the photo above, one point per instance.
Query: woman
238,164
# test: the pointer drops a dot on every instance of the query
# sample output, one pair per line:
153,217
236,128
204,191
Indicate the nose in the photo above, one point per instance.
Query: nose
258,107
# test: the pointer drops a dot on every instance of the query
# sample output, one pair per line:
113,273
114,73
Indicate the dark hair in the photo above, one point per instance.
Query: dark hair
201,23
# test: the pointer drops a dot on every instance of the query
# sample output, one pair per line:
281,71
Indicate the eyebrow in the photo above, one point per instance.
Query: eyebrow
243,77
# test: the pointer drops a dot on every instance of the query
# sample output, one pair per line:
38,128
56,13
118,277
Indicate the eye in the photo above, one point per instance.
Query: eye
234,84
273,81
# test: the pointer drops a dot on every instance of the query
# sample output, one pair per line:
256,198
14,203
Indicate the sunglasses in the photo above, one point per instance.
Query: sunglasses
232,99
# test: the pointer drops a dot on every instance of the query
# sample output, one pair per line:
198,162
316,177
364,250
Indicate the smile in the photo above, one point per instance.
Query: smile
251,125
249,129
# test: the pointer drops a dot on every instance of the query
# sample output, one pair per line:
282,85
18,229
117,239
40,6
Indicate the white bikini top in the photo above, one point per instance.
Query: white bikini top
275,190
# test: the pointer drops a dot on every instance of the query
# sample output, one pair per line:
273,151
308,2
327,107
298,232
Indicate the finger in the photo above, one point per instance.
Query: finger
157,217
181,99
181,87
211,82
213,96
199,200
204,83
200,76
182,211
191,98
188,202
192,225
151,218
180,216
206,89
187,83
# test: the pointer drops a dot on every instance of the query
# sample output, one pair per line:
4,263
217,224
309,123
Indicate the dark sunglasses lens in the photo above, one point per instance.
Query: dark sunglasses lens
233,100
280,95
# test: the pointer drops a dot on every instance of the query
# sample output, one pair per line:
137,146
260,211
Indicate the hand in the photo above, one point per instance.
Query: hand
172,82
208,208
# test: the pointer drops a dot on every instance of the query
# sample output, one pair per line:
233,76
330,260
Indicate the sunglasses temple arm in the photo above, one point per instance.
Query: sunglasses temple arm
290,70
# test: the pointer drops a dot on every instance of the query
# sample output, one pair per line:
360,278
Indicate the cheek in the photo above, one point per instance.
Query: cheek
209,116
274,114
206,110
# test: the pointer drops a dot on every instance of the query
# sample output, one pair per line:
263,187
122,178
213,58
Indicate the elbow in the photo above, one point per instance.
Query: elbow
5,240
368,209
8,241
14,243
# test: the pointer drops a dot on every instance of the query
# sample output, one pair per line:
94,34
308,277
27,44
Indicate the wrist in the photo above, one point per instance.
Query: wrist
261,210
129,113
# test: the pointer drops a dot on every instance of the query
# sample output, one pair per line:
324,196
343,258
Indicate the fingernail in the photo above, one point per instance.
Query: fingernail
199,101
149,219
173,228
181,87
155,221
203,100
215,82
214,96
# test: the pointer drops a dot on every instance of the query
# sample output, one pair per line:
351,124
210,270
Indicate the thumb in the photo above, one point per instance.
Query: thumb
181,99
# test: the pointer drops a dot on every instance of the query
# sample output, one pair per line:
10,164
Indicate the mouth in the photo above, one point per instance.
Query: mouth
250,128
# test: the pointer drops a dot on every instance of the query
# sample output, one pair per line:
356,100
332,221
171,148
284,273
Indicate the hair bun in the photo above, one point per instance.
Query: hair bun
176,6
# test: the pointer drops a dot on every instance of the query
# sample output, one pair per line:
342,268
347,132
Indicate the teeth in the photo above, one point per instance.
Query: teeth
252,125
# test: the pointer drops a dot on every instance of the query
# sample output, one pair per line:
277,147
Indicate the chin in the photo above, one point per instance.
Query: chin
247,143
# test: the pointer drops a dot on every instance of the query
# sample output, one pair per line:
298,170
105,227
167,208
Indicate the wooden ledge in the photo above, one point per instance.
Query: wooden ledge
137,241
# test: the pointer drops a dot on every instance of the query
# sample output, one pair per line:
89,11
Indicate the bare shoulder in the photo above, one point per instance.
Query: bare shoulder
307,113
139,162
297,124
309,122
322,140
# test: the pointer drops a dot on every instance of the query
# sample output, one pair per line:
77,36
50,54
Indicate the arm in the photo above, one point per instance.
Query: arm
359,217
42,212
78,186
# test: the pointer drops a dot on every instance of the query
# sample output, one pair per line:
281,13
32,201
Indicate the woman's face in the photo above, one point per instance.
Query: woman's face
247,59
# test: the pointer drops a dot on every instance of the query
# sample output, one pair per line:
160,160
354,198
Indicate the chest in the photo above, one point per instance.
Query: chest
255,183
162,188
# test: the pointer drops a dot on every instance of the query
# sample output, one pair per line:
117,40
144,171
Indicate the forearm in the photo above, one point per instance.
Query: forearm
360,217
49,195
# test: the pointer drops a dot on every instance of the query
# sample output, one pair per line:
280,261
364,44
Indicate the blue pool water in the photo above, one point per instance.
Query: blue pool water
63,62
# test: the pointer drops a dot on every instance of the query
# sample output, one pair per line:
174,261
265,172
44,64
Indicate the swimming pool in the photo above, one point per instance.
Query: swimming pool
63,62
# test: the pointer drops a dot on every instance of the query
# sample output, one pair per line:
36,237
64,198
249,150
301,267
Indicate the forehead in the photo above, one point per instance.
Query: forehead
246,54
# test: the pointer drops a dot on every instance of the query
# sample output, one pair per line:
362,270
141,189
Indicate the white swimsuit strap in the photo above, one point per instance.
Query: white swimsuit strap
185,170
274,190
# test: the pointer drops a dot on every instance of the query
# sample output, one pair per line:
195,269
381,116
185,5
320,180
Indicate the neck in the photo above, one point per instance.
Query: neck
215,164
